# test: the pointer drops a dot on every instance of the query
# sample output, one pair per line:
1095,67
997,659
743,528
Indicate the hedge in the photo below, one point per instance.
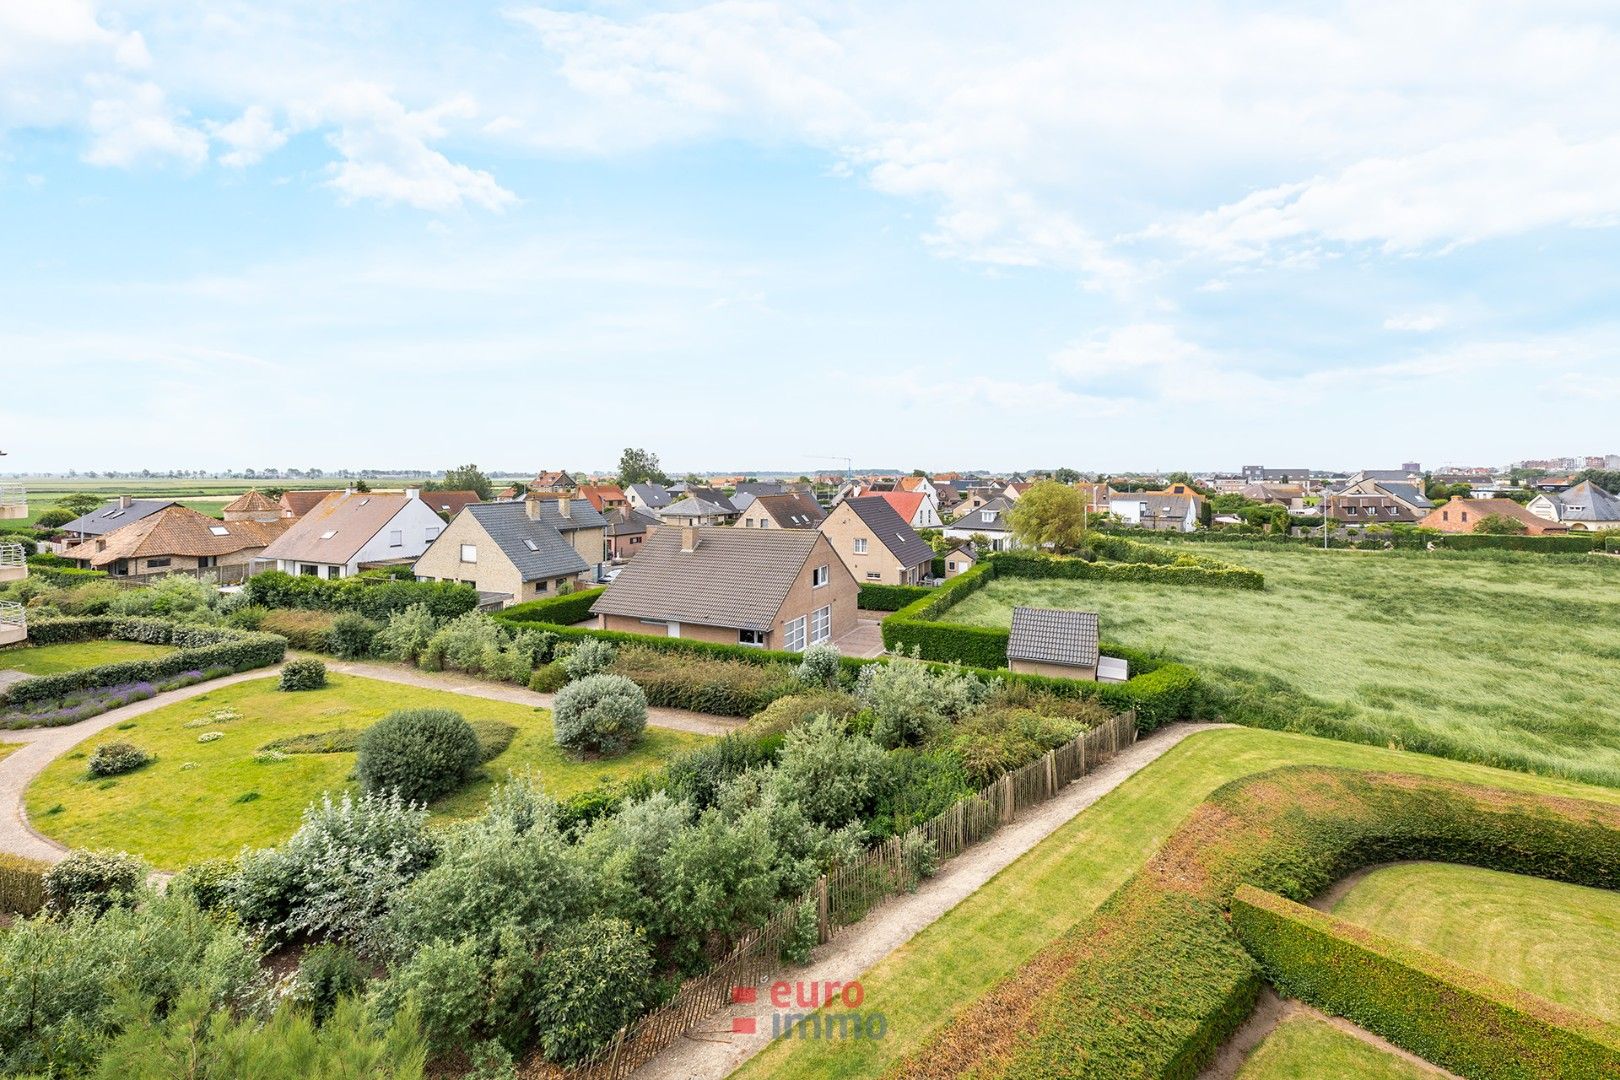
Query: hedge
375,598
55,570
1453,1017
197,648
890,597
22,885
1161,950
1563,544
562,610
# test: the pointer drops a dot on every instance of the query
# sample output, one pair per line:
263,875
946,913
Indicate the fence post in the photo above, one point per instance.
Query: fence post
823,911
1051,774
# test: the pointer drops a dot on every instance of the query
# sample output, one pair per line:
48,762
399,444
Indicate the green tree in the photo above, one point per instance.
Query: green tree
1500,525
54,518
361,486
467,478
1049,514
80,502
1066,476
637,466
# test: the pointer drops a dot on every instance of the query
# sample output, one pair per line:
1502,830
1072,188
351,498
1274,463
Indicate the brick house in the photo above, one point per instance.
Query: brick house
793,510
1464,515
627,530
349,530
514,551
876,544
177,538
770,588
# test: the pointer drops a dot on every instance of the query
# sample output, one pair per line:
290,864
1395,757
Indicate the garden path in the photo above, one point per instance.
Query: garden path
716,1051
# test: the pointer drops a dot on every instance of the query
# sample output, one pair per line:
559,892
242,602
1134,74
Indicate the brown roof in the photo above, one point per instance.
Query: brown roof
299,503
601,494
251,502
1449,517
735,577
449,503
794,510
553,480
351,517
178,530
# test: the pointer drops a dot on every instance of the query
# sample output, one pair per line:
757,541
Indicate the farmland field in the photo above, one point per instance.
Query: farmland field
74,656
202,799
1561,942
1508,660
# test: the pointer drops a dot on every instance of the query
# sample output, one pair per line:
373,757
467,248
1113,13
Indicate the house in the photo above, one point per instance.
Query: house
988,521
553,483
295,504
650,497
919,484
960,559
744,493
1174,509
769,588
973,499
1097,496
1463,516
348,530
252,505
1015,489
1291,496
876,543
701,506
1583,508
1054,643
447,504
509,550
177,538
1366,501
115,515
916,508
795,510
1259,474
604,497
627,530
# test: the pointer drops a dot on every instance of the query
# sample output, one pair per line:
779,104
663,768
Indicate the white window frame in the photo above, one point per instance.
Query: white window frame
821,576
469,553
752,639
431,533
794,634
860,545
396,538
821,625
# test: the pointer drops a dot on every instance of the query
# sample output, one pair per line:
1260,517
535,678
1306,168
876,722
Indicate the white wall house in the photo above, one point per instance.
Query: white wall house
349,529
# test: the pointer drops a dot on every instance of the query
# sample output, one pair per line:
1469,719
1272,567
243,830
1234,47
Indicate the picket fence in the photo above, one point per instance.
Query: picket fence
846,893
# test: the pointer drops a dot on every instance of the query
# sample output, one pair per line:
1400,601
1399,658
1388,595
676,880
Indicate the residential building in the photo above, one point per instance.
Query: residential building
1174,509
627,530
876,544
253,505
115,515
560,482
1366,501
295,504
604,497
745,492
177,539
349,530
1583,508
700,506
916,508
769,588
649,497
988,521
13,502
1291,496
1260,474
13,567
796,510
509,551
1464,516
447,504
960,559
919,484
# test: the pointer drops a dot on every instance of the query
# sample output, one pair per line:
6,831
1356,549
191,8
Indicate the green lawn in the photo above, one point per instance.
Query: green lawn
188,806
55,659
1499,660
1305,1048
922,985
1561,942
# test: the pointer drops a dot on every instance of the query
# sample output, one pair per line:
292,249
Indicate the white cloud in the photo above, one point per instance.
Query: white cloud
250,136
1416,322
134,124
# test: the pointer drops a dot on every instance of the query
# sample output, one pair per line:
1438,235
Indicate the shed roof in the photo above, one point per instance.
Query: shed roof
1053,636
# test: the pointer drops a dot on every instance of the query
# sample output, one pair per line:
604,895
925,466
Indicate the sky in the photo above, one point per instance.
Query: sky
772,236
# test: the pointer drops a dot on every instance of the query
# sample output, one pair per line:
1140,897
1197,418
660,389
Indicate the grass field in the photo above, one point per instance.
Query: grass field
1559,941
1500,660
201,800
1305,1048
922,985
55,659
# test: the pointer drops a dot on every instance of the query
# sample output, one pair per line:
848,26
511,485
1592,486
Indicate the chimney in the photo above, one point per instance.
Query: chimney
124,501
565,507
531,507
412,493
689,538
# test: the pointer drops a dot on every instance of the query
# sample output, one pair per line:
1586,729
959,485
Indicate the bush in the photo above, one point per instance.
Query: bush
22,885
303,674
548,678
420,753
722,687
786,713
832,775
372,597
406,634
351,636
911,703
247,617
93,880
327,973
589,657
820,668
561,610
893,597
998,740
117,758
310,631
697,776
207,884
595,978
604,714
803,936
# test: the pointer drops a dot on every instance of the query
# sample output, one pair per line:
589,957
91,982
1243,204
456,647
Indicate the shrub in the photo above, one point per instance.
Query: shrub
786,713
561,610
351,636
830,773
548,678
998,740
445,983
174,596
304,674
326,973
912,703
914,786
22,885
605,714
420,753
460,644
589,657
820,668
700,683
247,617
206,883
307,630
894,597
406,634
371,597
595,978
803,936
698,775
93,880
115,759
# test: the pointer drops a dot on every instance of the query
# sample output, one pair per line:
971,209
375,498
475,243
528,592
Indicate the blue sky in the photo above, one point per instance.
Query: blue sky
750,234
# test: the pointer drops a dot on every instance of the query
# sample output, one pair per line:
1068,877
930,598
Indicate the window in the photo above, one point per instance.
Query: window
541,586
219,530
748,523
950,566
1350,510
309,570
1465,515
1445,515
431,533
334,571
752,638
152,564
990,515
860,545
764,523
469,553
818,577
530,544
821,625
874,575
793,635
396,537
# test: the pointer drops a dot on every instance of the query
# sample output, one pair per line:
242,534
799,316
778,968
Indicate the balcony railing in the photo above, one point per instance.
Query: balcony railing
13,501
12,613
12,556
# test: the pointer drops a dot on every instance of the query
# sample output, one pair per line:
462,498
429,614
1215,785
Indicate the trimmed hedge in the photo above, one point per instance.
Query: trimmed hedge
1456,1018
22,885
890,597
562,610
55,570
375,598
1564,544
197,648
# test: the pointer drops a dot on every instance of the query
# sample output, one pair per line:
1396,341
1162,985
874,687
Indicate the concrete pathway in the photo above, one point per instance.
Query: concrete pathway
38,747
866,640
715,1051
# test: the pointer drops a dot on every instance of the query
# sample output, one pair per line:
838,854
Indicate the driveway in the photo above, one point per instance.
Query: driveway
866,640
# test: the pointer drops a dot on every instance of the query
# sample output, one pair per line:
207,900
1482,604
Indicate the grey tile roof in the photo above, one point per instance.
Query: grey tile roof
1051,636
735,578
112,516
1407,493
536,548
892,531
1586,502
650,495
792,511
628,520
758,488
582,515
974,520
695,506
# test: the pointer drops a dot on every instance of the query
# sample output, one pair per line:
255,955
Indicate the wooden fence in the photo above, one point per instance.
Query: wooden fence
231,574
846,893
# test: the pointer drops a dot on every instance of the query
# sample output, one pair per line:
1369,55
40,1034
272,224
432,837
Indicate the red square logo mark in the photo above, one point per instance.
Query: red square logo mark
744,995
742,1025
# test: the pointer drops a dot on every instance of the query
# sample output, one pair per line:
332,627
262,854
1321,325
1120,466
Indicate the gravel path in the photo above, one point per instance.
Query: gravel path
715,1051
38,747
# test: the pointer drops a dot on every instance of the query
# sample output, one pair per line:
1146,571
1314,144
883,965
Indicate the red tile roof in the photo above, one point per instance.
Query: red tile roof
905,503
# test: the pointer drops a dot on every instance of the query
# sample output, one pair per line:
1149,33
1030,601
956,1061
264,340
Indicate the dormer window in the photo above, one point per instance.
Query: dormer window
987,515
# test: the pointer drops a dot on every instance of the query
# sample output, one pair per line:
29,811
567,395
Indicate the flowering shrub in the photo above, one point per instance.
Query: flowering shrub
210,736
115,759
